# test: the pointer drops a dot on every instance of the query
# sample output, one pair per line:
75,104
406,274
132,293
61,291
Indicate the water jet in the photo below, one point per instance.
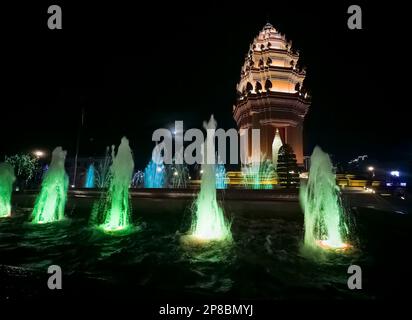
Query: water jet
51,201
112,213
208,221
325,226
7,179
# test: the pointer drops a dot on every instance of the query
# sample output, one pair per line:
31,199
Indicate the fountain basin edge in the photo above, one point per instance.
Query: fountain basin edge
266,203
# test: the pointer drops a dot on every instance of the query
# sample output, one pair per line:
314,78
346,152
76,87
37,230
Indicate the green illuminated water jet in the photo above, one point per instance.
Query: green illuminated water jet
7,179
320,199
51,201
209,222
113,213
259,175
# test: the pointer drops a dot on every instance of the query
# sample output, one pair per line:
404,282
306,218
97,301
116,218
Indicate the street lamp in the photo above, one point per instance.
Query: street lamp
39,154
395,173
372,170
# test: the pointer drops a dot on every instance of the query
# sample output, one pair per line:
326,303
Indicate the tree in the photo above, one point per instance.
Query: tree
25,167
287,169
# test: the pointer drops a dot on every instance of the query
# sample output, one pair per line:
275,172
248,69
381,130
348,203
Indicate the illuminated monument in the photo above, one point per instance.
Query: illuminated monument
271,94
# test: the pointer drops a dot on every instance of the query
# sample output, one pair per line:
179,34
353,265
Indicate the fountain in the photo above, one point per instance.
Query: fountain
320,199
209,222
138,179
178,172
7,179
179,176
89,183
220,176
112,213
154,174
102,172
50,203
259,175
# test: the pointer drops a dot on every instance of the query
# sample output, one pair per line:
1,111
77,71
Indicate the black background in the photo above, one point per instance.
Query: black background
136,68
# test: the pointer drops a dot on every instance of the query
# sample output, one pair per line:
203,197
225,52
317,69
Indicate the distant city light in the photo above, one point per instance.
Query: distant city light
395,173
403,184
360,158
388,184
304,175
371,168
73,186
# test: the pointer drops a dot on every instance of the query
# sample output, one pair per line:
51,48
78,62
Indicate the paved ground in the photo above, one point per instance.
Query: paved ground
382,200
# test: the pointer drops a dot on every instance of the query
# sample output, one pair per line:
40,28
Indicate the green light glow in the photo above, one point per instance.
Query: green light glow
209,222
259,175
6,187
51,201
117,217
320,200
115,209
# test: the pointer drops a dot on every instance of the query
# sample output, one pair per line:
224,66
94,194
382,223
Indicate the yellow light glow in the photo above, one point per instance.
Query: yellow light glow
283,86
192,240
326,244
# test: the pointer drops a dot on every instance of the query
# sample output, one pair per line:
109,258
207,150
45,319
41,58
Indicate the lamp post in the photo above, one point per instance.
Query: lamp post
77,148
39,154
372,171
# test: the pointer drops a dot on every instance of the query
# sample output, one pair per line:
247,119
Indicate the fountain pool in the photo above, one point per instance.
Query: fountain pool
264,260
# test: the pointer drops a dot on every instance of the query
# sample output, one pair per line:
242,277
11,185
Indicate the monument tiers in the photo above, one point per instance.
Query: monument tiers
271,95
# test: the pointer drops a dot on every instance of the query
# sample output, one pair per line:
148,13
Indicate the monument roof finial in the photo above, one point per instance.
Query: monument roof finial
268,25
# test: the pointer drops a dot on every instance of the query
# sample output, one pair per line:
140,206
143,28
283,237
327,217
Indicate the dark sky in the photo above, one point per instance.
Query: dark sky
135,69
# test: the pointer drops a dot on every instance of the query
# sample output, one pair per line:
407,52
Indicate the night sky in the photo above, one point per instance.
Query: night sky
136,69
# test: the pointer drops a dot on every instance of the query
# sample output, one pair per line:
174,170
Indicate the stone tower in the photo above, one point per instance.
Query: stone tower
270,92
